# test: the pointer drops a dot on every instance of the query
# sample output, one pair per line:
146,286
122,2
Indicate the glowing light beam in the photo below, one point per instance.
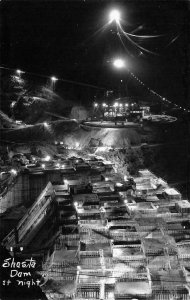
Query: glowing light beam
114,16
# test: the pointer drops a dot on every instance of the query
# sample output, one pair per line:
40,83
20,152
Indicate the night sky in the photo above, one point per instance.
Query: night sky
60,38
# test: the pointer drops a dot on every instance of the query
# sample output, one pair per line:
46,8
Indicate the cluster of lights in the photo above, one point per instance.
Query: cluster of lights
104,104
47,158
116,104
115,16
158,95
120,63
13,172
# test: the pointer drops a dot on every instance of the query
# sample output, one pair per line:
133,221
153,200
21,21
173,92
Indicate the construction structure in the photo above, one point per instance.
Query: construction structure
99,235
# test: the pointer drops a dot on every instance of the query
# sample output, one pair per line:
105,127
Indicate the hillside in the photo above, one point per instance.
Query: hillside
6,122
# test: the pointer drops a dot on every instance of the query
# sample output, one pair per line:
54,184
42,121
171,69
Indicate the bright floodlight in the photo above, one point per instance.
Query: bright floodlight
47,158
14,172
119,63
19,72
53,78
114,16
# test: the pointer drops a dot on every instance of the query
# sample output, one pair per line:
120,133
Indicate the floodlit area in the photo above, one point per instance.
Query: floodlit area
94,154
97,233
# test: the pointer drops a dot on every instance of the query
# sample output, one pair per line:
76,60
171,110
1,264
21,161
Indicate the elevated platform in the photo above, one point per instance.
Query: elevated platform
109,124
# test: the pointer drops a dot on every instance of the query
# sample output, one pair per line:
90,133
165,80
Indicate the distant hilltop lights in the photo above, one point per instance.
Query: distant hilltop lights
117,63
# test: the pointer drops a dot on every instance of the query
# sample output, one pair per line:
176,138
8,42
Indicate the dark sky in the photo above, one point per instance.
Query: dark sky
58,37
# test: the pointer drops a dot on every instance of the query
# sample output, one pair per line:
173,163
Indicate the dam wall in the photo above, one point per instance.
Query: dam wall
26,189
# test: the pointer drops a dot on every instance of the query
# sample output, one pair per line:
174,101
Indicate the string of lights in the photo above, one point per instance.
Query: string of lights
54,79
158,95
116,17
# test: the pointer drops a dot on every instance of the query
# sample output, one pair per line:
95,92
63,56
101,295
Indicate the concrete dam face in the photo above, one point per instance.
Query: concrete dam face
26,188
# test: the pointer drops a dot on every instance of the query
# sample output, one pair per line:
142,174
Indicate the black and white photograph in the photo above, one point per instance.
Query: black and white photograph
94,150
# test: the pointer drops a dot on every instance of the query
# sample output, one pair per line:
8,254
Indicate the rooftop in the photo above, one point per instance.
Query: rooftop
171,192
146,173
133,288
127,251
184,204
59,256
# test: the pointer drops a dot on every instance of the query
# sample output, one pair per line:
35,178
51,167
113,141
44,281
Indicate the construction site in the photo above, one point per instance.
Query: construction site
94,233
94,154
